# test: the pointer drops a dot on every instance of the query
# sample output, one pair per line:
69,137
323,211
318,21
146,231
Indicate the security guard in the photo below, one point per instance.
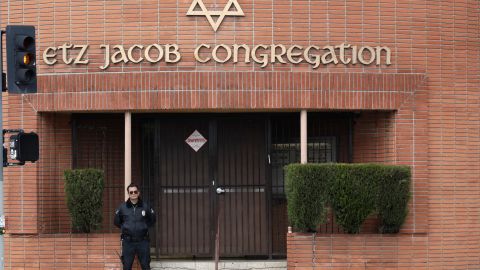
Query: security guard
134,217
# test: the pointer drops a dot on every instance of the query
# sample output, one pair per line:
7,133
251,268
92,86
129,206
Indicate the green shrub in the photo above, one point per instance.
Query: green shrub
392,198
352,194
84,189
306,195
353,191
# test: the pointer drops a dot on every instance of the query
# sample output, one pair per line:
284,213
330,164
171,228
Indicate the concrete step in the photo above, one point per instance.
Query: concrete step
225,265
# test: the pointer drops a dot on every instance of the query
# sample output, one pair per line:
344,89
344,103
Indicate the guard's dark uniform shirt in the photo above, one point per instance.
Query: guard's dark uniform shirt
134,221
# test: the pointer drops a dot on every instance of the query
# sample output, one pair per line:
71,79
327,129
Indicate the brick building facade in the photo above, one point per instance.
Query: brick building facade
421,109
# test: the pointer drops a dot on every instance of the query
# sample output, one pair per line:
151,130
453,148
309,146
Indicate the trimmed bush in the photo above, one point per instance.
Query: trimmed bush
392,198
353,191
84,189
306,195
352,194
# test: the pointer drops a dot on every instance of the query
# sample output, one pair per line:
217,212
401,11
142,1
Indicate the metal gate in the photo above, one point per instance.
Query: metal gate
177,182
242,175
182,183
243,158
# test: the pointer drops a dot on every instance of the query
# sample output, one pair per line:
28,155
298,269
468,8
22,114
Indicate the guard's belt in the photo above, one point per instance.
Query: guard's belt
130,238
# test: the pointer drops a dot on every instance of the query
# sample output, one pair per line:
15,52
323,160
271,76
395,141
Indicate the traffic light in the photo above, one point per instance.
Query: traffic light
4,82
5,157
24,147
21,65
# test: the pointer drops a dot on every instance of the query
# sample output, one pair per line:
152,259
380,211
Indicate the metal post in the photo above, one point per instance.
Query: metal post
303,137
2,216
128,151
217,235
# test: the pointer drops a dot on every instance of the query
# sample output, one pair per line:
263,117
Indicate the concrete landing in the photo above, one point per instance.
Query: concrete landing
227,264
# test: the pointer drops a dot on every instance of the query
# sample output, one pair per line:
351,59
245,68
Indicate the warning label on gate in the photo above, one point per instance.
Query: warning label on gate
196,140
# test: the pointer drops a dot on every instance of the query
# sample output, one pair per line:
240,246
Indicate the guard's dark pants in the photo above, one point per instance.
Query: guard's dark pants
130,248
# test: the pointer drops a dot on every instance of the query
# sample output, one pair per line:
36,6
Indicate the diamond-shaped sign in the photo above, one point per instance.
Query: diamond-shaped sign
196,140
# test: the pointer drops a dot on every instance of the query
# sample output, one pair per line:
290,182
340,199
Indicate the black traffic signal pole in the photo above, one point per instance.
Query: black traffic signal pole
2,215
22,80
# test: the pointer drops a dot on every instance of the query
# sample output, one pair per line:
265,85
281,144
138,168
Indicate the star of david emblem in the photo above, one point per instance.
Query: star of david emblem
220,15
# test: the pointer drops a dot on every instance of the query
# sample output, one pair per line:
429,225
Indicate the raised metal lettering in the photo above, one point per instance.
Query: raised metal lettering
169,52
197,51
120,55
291,54
148,55
130,53
330,56
361,58
227,50
65,47
79,59
47,56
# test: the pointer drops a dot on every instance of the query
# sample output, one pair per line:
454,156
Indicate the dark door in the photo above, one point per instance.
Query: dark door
178,182
182,184
242,174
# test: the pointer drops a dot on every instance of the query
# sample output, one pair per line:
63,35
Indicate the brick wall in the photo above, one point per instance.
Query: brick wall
430,91
224,90
63,251
374,137
20,183
55,156
337,251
